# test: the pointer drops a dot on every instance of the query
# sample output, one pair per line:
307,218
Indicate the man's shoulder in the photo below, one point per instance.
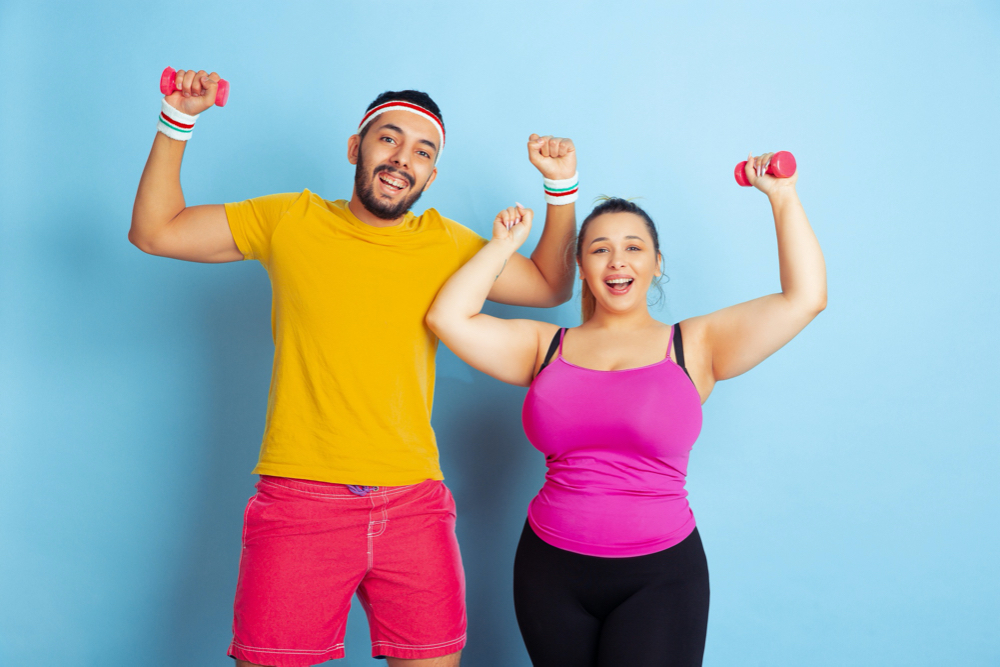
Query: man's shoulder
432,218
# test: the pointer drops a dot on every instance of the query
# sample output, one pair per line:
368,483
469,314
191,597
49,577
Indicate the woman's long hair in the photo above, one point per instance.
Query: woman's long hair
611,205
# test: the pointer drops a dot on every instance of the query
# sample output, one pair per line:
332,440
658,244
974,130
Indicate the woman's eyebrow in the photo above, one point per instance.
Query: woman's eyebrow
605,238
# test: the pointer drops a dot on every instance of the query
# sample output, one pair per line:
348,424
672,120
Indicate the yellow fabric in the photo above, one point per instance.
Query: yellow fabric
353,377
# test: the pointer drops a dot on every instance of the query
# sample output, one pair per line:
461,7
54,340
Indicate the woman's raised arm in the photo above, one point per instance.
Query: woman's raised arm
505,349
735,339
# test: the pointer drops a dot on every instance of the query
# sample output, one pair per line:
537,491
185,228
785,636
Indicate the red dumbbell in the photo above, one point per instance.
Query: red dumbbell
782,165
168,84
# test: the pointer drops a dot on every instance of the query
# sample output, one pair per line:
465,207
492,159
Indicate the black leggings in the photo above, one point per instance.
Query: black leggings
585,611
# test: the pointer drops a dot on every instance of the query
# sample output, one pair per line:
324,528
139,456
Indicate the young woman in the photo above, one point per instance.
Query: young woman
610,569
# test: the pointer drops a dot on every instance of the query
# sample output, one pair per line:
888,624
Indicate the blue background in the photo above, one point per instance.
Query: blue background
845,489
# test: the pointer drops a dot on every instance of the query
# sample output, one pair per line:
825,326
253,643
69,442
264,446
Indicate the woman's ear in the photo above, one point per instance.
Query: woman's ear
659,265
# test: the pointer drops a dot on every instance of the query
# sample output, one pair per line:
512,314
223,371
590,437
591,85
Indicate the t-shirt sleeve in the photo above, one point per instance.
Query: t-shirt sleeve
467,241
253,222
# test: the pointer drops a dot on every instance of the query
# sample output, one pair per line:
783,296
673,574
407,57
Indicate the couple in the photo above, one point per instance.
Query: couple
350,498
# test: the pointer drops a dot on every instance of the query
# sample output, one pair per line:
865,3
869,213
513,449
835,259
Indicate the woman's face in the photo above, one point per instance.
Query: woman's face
618,261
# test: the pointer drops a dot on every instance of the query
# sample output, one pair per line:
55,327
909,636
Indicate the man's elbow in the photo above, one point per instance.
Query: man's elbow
563,294
140,241
556,295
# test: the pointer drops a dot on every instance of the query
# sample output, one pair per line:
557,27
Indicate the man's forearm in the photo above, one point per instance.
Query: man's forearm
159,198
554,253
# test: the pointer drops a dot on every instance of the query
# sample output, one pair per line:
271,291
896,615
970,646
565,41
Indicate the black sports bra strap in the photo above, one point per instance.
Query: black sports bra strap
679,348
553,346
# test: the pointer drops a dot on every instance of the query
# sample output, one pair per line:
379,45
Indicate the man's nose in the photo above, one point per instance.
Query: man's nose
398,157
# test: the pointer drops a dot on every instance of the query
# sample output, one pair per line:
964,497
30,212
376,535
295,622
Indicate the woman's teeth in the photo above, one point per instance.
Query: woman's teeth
619,284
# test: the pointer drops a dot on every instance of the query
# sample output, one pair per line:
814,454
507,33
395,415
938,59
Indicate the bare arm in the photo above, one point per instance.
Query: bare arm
546,279
162,224
733,340
504,349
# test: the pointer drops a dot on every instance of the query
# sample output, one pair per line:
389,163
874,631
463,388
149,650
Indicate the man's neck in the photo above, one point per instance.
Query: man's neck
366,216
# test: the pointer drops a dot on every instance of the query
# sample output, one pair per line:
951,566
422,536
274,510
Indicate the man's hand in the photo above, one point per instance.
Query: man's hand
555,157
195,92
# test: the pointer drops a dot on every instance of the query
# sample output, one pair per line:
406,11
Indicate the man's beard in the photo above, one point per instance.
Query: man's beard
364,187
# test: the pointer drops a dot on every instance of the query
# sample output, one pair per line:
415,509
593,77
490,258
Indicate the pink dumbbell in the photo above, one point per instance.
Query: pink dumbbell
168,84
782,165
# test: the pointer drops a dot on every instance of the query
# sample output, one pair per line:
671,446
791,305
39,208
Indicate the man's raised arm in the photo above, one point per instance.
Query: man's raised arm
161,223
546,279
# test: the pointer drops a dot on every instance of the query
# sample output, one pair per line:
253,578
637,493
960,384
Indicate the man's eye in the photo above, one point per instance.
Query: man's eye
423,154
389,140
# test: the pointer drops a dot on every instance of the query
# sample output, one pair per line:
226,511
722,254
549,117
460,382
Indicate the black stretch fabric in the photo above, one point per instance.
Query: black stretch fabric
678,349
584,611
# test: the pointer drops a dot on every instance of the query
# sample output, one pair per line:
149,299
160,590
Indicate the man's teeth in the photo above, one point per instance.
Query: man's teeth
394,182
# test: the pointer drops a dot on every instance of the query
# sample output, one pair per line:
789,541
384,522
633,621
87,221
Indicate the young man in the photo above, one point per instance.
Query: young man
350,497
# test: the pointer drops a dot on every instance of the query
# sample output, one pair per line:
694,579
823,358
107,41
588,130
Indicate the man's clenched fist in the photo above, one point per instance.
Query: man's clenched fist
555,157
195,91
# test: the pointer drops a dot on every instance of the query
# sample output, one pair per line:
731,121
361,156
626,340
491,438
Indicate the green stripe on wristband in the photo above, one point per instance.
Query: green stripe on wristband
174,127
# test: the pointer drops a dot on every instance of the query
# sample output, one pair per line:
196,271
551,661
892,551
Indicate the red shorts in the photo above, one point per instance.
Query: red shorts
309,546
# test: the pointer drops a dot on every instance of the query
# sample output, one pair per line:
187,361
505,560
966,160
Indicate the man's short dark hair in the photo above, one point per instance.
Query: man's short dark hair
413,96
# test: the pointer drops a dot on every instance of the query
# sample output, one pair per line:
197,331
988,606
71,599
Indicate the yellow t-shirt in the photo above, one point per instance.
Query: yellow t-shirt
353,378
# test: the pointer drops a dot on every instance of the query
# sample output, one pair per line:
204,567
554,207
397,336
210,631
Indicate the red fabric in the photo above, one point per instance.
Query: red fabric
309,546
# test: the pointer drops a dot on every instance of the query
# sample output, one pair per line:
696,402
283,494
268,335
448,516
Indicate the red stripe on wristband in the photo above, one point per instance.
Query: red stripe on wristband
562,194
171,121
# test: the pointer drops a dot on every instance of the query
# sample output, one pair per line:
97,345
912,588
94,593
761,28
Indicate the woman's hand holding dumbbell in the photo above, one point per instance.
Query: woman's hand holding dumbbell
768,172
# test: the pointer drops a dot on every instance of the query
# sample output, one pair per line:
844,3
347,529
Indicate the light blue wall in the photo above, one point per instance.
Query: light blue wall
846,489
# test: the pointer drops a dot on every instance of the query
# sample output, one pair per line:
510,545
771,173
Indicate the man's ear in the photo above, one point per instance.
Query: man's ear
353,148
434,174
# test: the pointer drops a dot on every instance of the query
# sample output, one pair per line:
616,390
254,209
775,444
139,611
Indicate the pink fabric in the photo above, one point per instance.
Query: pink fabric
616,444
308,546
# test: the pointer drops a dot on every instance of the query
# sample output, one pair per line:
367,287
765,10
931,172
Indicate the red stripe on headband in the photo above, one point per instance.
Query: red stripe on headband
408,105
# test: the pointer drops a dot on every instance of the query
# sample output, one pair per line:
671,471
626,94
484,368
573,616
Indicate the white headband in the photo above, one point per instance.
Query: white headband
400,105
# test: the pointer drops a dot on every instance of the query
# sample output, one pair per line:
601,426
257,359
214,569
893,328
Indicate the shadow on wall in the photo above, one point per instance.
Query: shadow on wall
490,467
493,472
235,313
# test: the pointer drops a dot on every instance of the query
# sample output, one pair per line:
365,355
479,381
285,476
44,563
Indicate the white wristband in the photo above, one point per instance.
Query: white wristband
562,191
175,124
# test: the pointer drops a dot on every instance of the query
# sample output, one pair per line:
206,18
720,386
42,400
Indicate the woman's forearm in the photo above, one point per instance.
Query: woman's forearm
463,296
802,267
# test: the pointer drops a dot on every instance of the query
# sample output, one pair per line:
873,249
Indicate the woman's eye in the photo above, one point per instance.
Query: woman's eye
632,247
600,250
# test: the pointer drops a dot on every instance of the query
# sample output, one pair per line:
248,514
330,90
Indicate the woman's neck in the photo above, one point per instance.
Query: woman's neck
637,318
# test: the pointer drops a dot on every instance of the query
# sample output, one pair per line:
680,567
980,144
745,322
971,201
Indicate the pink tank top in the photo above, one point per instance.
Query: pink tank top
616,444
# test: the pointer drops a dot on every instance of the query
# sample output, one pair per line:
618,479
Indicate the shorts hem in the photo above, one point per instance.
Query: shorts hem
382,649
279,657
